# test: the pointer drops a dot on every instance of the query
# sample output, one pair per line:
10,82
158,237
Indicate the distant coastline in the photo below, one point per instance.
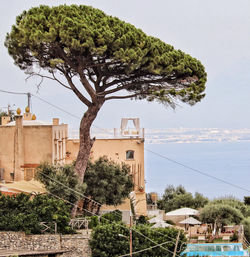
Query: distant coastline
184,135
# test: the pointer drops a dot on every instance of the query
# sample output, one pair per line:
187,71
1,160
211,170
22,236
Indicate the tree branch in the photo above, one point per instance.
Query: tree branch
86,84
111,91
47,77
122,97
76,91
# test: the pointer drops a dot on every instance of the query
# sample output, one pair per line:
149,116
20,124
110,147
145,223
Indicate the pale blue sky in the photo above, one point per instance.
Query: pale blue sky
215,32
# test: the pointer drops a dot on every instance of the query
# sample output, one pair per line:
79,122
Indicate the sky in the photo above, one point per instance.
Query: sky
215,32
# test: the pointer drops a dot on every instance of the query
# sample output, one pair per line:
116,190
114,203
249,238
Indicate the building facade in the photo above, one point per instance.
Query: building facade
26,142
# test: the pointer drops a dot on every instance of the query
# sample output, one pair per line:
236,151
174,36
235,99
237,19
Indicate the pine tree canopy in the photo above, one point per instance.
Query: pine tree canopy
107,55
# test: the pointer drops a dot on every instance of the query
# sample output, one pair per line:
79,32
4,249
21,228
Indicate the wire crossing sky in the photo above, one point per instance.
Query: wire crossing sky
215,32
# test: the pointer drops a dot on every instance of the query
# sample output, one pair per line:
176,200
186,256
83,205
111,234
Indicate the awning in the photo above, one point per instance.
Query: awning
32,186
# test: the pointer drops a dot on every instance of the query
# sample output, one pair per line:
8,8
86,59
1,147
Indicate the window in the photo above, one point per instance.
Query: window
130,155
28,174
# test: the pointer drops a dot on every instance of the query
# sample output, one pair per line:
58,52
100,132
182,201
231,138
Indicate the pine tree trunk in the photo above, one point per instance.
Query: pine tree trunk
86,143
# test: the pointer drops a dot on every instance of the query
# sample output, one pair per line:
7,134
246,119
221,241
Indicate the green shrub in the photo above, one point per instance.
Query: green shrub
93,222
24,213
111,216
113,240
141,220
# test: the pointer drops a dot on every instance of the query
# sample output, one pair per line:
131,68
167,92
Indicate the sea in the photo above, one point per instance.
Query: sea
215,169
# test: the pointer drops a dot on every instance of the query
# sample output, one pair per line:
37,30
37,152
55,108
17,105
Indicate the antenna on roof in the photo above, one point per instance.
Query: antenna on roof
29,97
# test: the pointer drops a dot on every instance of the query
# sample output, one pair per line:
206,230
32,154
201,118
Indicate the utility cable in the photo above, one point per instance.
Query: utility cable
94,214
101,205
82,195
13,93
146,249
53,105
57,107
63,110
198,171
169,159
92,200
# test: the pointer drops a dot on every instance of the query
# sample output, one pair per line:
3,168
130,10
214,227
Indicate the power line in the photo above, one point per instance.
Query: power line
198,171
92,200
13,93
57,107
94,214
157,154
146,249
63,110
53,105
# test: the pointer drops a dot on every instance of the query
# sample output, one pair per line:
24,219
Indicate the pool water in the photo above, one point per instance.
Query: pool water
226,249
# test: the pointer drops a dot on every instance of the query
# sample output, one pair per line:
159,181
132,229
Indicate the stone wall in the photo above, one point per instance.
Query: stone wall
77,244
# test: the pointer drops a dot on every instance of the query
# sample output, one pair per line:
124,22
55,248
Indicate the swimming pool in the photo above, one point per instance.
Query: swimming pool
226,249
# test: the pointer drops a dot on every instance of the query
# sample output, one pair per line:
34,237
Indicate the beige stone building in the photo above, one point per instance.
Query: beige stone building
27,142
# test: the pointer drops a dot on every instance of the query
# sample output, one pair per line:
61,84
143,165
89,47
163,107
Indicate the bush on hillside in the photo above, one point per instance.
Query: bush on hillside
24,213
113,240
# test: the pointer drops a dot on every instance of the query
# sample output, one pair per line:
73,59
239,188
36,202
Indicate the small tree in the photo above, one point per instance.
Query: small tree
233,202
110,58
175,198
108,182
105,182
220,215
60,181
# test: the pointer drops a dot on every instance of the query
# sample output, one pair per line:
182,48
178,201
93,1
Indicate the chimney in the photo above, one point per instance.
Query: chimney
5,120
56,121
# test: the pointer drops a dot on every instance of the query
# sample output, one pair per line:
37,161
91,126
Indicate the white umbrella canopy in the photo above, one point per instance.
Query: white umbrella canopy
183,212
161,224
190,221
155,220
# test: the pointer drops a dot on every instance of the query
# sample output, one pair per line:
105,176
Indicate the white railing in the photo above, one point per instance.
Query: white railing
100,133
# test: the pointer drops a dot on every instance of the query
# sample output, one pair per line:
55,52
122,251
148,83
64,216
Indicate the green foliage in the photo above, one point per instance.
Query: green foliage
24,213
105,181
247,213
234,237
113,216
247,200
116,241
175,198
60,181
93,222
108,182
149,199
233,202
220,214
74,38
142,220
246,224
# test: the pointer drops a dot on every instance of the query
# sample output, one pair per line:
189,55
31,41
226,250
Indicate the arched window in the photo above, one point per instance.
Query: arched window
130,155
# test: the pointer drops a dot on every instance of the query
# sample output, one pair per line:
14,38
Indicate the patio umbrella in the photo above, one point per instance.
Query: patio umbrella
183,212
190,221
161,224
155,220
